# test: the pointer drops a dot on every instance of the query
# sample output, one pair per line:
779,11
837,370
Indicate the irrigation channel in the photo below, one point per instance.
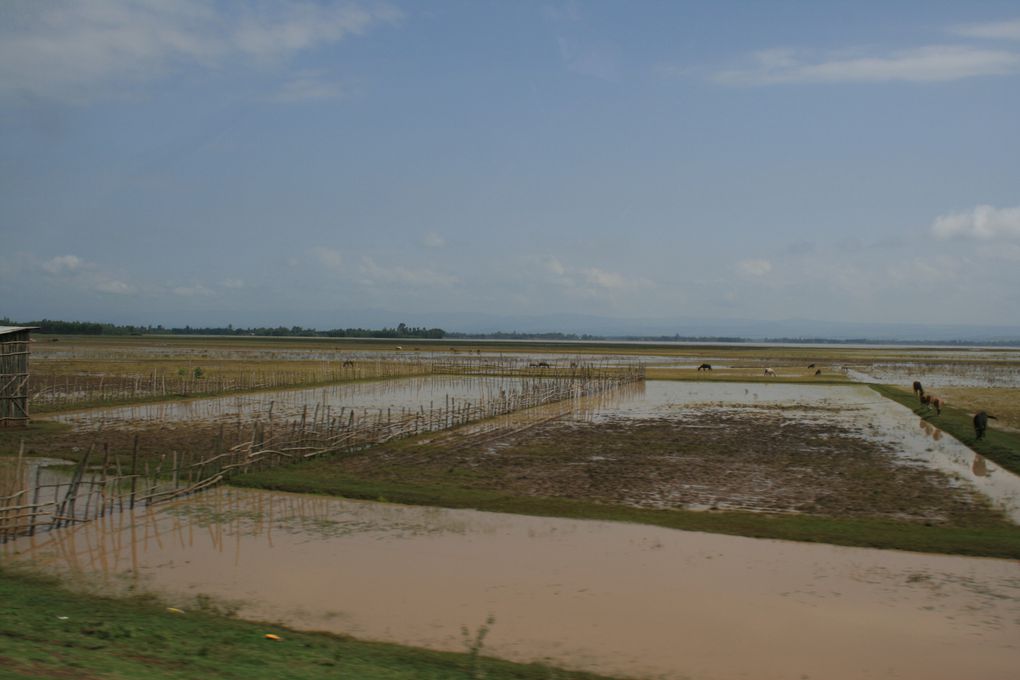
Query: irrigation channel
377,413
622,599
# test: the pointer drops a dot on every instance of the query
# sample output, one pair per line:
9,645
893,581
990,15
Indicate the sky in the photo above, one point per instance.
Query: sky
297,163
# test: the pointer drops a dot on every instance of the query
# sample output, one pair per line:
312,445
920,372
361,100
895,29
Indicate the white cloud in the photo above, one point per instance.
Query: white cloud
66,48
935,63
997,30
232,283
754,267
983,222
433,240
611,280
62,263
374,274
194,290
327,256
553,266
112,286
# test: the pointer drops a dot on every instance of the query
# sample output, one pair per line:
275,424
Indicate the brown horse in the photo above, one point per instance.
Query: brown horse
933,402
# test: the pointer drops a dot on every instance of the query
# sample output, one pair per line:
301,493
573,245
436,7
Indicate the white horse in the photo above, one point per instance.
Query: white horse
769,371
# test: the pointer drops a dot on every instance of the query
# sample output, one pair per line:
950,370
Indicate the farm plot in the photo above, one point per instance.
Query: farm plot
832,452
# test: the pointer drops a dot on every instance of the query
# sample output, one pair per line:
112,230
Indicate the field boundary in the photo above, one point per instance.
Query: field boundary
1002,448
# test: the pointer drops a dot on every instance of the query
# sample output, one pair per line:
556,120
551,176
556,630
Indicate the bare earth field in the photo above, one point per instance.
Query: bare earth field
764,461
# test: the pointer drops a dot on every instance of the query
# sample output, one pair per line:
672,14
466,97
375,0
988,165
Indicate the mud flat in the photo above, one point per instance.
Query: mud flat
624,599
832,451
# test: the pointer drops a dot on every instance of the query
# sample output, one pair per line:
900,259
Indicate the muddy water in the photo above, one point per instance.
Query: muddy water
408,393
616,598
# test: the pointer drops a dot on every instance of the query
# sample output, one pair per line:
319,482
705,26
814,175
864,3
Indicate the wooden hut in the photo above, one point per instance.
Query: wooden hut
14,375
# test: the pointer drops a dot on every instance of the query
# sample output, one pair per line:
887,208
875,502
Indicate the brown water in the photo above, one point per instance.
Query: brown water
616,598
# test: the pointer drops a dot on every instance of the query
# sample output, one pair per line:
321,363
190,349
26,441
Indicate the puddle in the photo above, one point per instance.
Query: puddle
614,598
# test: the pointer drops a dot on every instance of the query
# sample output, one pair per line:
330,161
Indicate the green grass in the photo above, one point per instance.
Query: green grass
1002,448
138,638
319,477
35,433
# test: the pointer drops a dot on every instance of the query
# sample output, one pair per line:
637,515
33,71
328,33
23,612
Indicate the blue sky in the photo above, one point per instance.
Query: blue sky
293,163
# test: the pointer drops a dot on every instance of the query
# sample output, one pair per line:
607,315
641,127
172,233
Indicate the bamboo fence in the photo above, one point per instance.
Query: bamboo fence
99,484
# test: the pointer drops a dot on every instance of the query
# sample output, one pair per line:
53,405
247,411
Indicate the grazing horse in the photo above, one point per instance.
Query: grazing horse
769,371
933,402
811,365
981,423
346,363
818,372
918,390
705,367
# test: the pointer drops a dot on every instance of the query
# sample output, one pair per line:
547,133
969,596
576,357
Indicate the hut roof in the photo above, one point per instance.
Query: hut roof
4,330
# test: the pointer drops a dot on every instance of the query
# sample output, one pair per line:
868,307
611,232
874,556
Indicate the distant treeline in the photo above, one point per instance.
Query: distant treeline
93,328
514,335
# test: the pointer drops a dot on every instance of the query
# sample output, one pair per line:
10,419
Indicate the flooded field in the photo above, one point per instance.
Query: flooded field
624,599
409,394
838,451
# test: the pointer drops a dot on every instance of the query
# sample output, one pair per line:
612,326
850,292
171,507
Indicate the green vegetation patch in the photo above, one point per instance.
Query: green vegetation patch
49,632
1002,448
319,477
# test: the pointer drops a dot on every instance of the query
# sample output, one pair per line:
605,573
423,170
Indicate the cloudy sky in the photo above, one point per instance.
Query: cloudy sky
292,162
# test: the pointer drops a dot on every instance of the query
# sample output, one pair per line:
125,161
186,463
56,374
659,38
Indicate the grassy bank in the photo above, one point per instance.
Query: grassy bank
318,477
49,632
1002,448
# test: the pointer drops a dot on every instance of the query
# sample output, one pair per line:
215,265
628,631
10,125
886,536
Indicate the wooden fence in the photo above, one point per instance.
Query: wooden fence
100,483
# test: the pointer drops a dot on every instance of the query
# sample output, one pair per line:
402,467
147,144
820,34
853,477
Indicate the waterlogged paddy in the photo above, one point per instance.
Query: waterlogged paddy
831,450
624,599
410,394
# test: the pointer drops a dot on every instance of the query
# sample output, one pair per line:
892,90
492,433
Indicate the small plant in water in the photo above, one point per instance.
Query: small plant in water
474,645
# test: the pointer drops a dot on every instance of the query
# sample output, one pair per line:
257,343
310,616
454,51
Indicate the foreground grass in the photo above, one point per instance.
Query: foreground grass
49,632
997,446
319,477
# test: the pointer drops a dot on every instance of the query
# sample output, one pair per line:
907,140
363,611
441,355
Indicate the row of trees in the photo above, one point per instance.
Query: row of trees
93,328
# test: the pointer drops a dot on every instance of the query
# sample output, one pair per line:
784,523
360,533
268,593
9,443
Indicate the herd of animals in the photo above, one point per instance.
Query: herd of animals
936,403
930,401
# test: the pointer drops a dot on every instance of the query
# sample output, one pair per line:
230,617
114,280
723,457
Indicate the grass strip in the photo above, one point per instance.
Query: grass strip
321,478
47,631
1002,448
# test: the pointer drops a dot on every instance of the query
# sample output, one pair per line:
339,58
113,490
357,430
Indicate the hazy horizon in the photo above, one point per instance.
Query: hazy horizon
271,163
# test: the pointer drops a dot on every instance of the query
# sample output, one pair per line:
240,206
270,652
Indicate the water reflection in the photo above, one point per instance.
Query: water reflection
979,468
398,396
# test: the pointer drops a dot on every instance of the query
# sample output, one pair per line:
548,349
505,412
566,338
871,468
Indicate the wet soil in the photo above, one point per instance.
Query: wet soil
767,460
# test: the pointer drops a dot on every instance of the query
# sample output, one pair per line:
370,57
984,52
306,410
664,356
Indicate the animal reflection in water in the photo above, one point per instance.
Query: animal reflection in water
979,468
930,430
981,424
